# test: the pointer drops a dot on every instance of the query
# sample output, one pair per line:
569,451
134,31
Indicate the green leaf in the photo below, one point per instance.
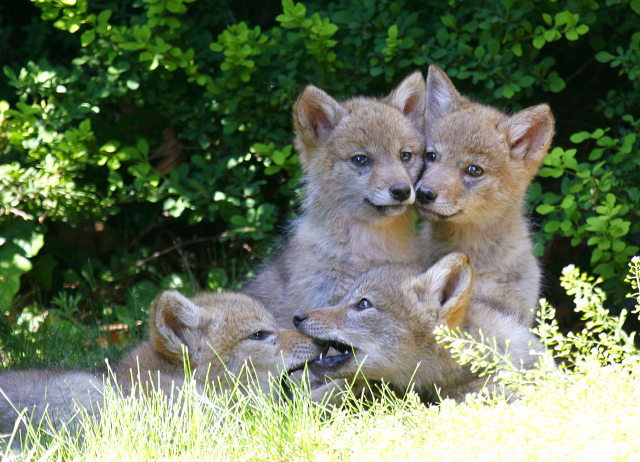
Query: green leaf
238,220
605,57
20,242
580,137
517,49
567,202
217,279
279,157
552,227
527,81
442,36
507,92
619,246
539,41
545,209
104,16
176,6
593,240
142,34
87,37
556,85
449,20
142,294
12,266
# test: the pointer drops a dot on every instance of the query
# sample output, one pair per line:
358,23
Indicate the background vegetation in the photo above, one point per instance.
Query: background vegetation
147,144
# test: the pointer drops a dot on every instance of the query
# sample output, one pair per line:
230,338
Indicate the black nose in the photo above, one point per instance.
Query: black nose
424,195
298,318
400,191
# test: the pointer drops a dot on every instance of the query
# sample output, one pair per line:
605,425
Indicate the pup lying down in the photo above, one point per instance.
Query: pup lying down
226,337
383,329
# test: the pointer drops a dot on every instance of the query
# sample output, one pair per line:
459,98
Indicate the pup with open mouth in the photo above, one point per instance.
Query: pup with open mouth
384,329
227,337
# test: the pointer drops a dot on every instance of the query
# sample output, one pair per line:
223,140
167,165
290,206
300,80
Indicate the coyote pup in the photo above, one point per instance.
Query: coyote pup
222,334
479,164
384,329
360,158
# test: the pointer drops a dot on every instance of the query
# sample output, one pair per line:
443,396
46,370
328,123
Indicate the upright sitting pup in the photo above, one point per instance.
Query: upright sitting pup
479,164
360,158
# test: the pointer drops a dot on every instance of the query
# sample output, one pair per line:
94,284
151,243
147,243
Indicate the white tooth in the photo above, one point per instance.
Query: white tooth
346,352
320,355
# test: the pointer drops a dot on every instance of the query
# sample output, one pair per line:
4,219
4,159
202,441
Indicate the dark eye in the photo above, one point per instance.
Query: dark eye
260,335
430,156
474,170
364,304
360,160
405,156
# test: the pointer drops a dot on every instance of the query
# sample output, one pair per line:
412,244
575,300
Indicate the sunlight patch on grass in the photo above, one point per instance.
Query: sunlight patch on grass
584,410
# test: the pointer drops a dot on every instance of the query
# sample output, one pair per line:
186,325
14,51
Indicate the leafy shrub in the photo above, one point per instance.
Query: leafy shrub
148,143
602,342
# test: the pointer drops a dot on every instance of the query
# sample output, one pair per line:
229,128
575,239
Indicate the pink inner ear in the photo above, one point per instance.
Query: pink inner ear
173,322
411,104
529,134
530,139
318,119
450,287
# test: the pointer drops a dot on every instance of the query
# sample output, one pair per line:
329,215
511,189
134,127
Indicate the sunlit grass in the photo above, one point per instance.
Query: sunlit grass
592,415
588,412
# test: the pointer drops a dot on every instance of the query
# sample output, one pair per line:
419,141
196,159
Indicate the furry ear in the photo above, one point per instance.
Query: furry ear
410,97
172,316
315,115
529,133
442,96
447,285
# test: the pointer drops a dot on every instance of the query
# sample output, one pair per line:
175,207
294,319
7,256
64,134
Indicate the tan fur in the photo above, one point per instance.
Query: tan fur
224,335
218,331
351,219
394,336
482,216
64,395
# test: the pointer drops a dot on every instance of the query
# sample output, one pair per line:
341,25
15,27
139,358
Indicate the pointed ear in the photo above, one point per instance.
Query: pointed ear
442,96
447,285
172,317
410,98
529,133
315,115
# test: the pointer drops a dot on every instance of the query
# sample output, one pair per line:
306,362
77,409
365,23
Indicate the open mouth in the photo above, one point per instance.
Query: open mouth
326,361
285,379
285,383
390,209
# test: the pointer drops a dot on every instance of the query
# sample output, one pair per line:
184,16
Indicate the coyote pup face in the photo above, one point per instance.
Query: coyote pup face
222,333
479,161
361,157
384,326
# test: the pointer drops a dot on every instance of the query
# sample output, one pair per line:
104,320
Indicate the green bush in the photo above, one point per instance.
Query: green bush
148,143
602,342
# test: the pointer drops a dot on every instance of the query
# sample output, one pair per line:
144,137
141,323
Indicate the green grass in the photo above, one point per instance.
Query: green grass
591,415
585,410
